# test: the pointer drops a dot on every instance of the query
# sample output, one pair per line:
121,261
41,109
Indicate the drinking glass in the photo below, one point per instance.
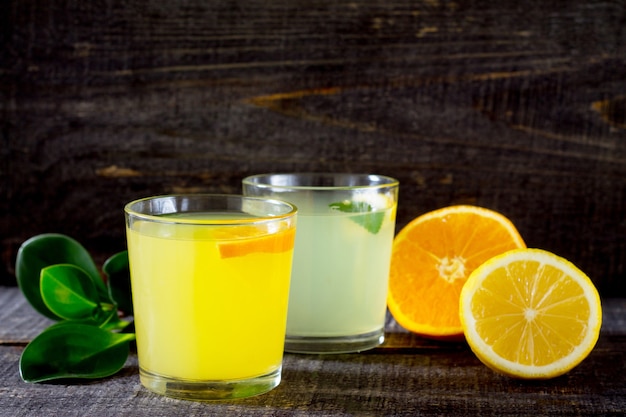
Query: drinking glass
210,279
346,222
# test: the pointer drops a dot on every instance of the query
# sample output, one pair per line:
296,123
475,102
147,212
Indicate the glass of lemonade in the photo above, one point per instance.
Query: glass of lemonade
346,222
210,279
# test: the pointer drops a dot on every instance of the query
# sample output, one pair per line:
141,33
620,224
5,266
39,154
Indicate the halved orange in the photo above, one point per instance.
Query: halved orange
251,239
433,256
530,314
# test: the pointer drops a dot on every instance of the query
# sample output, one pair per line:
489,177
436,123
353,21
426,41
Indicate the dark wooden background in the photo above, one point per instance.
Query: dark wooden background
518,106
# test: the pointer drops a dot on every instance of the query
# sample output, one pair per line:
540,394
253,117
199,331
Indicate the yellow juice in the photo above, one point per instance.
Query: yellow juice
210,302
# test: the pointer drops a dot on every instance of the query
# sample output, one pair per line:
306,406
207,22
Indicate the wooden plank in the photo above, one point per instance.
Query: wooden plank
450,383
407,376
515,106
19,322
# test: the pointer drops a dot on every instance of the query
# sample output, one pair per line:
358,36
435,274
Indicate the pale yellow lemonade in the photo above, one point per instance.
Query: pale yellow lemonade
209,301
341,269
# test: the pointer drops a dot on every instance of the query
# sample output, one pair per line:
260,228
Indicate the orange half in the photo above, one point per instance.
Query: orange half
433,256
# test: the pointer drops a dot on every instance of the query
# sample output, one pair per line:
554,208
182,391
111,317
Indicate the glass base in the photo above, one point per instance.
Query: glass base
339,344
199,390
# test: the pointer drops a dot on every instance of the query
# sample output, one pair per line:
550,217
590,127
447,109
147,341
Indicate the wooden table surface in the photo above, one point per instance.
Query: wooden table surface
407,376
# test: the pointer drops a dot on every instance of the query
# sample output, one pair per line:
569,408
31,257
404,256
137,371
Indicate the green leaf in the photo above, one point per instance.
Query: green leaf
44,250
117,324
372,221
110,322
117,271
70,350
69,293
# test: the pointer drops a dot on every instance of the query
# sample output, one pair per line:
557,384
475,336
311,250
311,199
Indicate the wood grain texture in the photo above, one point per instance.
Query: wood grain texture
515,106
407,376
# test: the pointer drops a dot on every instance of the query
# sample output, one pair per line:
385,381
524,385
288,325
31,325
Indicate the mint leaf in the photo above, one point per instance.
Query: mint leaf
370,220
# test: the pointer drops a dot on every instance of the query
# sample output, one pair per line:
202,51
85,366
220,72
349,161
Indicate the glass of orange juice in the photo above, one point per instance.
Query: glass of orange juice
346,223
210,278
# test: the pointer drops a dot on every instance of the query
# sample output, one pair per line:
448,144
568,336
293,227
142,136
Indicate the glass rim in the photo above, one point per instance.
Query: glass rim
291,211
385,181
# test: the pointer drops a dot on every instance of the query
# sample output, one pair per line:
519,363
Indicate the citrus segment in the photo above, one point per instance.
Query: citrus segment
250,239
433,256
530,314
